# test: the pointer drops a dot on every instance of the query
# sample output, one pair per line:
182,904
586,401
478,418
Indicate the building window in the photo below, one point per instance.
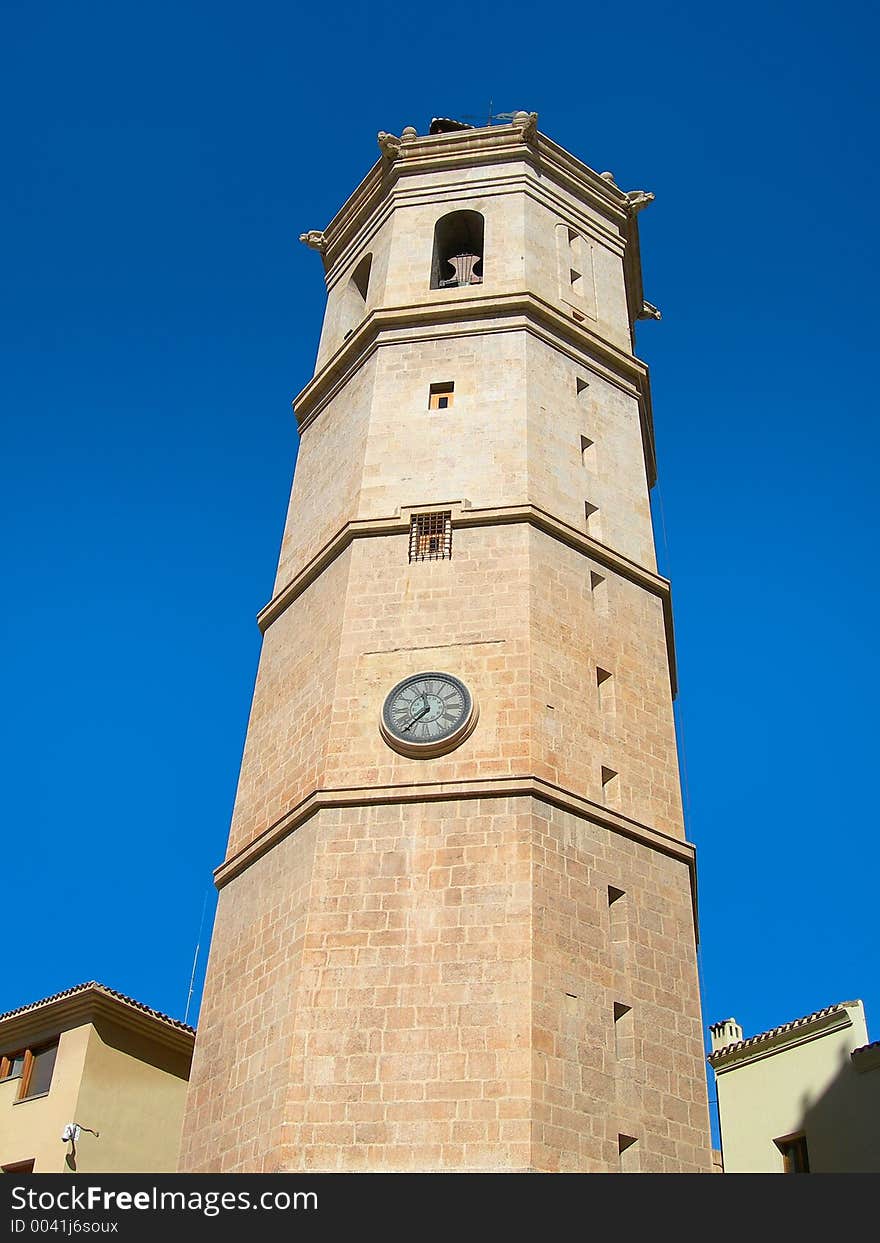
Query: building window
19,1167
628,1153
440,396
610,787
794,1154
32,1067
430,537
576,273
11,1066
458,250
360,277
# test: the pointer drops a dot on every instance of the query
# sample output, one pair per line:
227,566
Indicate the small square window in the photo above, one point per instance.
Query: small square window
440,396
430,537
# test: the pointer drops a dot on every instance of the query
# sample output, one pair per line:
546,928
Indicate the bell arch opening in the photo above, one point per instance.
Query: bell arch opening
458,250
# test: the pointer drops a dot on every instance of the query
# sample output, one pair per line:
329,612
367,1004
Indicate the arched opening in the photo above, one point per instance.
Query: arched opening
458,250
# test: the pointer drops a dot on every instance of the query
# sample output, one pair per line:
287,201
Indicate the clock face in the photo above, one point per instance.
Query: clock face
428,714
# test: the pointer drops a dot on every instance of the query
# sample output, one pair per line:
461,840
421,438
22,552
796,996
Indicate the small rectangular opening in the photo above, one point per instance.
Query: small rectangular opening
586,446
591,519
440,396
581,386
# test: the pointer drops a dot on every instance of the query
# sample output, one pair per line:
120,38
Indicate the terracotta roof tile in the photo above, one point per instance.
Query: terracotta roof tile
779,1031
875,1044
101,988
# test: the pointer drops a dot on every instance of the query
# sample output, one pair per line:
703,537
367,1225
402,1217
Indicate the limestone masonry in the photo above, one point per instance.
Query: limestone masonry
438,949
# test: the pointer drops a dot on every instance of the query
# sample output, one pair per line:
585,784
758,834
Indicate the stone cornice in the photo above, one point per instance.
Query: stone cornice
44,1021
496,183
448,791
475,313
464,516
466,310
467,149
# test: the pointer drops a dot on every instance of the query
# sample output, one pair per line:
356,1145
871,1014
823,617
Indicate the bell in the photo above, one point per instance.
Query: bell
463,265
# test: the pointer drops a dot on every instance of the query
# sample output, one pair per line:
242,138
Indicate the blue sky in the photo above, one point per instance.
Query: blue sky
158,315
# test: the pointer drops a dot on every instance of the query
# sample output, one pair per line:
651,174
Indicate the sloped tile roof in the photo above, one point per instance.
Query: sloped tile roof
875,1044
109,992
779,1031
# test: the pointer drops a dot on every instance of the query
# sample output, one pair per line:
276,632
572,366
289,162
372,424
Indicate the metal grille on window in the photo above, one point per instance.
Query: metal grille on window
430,537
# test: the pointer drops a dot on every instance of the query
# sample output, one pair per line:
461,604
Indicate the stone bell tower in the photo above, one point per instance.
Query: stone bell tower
456,918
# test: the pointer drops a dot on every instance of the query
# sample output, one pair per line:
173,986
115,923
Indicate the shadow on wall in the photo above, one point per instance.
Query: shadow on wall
842,1124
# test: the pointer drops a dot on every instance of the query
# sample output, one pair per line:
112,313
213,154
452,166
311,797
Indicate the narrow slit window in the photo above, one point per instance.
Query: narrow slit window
430,537
618,925
624,1042
586,447
610,786
591,519
440,396
628,1154
605,690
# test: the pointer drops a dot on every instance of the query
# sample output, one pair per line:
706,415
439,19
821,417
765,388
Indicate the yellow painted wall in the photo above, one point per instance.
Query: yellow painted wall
810,1087
133,1093
127,1087
32,1128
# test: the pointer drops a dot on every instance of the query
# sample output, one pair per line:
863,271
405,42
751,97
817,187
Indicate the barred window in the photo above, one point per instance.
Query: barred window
430,537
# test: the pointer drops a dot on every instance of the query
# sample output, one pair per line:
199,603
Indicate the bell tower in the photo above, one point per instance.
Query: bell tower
456,924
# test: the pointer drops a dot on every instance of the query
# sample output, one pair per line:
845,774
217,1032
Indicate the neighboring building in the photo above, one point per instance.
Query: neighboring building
801,1098
456,922
93,1057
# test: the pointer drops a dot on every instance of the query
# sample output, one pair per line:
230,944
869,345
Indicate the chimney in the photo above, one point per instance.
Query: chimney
728,1031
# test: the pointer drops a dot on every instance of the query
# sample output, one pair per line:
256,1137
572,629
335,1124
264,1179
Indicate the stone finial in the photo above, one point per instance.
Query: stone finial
649,311
609,177
409,134
528,123
314,239
638,199
388,145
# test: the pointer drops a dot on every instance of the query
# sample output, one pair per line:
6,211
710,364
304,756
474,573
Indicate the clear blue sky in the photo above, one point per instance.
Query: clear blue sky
158,316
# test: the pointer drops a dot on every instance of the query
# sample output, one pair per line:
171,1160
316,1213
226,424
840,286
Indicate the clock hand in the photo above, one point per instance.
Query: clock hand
424,712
